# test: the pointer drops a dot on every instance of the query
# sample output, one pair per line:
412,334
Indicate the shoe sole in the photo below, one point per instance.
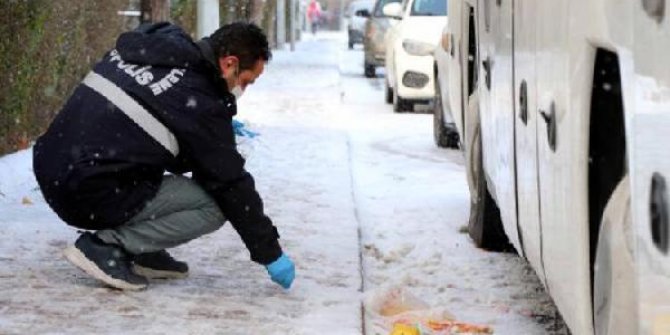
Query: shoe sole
76,257
158,274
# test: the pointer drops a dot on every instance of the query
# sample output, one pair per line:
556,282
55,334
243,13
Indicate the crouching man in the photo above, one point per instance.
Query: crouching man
159,102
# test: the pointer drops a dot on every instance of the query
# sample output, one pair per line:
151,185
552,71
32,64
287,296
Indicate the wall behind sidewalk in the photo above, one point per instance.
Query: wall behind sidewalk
46,47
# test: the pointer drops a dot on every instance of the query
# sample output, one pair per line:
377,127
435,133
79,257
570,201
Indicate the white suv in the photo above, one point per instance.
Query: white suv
409,51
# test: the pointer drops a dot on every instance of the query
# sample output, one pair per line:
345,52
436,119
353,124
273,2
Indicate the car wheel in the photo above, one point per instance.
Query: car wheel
485,226
388,94
445,137
369,70
401,105
613,299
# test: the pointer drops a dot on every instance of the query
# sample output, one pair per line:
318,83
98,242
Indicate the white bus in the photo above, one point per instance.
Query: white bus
563,110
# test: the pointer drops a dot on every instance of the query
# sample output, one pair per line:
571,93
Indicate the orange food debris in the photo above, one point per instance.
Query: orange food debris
459,327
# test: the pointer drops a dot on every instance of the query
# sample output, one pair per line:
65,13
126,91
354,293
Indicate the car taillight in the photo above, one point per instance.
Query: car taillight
371,31
445,42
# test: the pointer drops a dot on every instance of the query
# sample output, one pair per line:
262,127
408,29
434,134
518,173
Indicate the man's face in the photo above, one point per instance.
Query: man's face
231,73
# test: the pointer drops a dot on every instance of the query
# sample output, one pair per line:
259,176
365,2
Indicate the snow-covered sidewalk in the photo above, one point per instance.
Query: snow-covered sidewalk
353,189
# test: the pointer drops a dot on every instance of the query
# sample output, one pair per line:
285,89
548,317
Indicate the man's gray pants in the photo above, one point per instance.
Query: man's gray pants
180,211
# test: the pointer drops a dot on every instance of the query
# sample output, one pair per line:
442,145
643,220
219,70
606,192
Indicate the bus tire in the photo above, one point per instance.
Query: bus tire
485,225
614,299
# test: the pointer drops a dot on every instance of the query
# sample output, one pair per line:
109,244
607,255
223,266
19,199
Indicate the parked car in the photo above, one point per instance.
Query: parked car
409,51
445,133
373,40
357,13
564,111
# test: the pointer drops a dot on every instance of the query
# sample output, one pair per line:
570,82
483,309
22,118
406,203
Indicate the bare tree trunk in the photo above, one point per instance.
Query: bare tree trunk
269,16
280,26
244,10
248,9
256,12
155,10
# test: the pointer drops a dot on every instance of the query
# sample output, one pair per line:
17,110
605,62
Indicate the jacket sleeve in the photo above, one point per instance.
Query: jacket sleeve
208,139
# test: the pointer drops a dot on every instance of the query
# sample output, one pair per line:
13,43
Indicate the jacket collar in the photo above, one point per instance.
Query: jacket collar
207,52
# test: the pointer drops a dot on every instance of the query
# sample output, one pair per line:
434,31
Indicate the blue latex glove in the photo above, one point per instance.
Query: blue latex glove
282,271
240,130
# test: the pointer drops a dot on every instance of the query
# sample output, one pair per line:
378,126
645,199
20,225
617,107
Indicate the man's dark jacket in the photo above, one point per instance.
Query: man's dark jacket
97,168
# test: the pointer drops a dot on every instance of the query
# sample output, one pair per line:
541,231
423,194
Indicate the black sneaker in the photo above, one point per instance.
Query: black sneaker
106,262
159,264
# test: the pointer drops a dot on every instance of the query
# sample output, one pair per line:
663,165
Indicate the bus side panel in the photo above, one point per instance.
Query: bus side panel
497,108
454,68
526,120
562,144
650,170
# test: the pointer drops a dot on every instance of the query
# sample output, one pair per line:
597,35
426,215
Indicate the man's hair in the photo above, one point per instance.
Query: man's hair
244,40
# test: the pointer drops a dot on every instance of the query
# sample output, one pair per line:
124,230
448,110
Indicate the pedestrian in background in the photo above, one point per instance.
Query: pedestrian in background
314,14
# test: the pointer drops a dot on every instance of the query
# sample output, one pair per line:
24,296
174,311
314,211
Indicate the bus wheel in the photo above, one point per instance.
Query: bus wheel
614,298
485,226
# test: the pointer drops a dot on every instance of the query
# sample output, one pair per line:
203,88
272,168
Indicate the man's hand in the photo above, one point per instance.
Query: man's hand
241,130
282,271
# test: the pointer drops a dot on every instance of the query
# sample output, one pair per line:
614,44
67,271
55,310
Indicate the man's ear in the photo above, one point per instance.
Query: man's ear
228,64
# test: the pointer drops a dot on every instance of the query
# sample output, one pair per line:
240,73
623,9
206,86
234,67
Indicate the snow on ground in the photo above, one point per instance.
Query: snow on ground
333,162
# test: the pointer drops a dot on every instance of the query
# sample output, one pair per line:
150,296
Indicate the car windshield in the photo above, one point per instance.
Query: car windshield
429,8
380,5
358,5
